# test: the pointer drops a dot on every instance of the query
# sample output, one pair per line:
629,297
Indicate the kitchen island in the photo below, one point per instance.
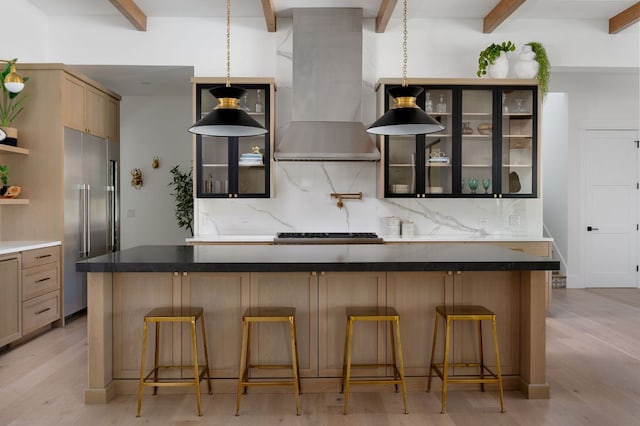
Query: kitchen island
320,281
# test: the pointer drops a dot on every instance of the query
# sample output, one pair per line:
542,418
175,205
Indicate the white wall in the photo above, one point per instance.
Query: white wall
152,126
597,100
555,159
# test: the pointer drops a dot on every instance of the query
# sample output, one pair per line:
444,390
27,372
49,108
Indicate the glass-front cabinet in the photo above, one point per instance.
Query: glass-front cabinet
235,167
488,147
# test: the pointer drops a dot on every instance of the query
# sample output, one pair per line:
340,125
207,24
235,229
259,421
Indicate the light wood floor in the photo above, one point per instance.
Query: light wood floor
593,360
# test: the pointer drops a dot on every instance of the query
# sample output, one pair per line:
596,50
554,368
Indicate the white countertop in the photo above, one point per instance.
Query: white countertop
15,246
266,238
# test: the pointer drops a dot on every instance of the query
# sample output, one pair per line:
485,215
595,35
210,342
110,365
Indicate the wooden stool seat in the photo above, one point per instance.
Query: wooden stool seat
465,313
385,314
186,314
268,315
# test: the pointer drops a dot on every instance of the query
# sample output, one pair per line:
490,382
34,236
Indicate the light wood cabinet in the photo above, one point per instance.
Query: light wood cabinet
10,318
113,120
41,288
84,107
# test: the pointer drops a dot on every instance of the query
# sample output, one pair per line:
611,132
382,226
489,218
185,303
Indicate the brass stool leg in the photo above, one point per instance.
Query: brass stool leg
401,366
396,375
294,365
196,370
498,370
433,352
481,354
144,354
344,358
445,368
347,377
156,358
206,354
243,363
297,359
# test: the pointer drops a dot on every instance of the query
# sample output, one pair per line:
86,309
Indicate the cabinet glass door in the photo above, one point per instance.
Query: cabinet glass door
402,165
234,166
477,142
518,142
439,146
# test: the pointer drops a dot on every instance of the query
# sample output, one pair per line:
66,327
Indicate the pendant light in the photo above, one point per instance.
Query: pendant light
405,118
228,118
13,82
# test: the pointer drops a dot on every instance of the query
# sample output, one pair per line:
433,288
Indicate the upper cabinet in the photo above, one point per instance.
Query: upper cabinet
488,148
113,119
235,167
84,107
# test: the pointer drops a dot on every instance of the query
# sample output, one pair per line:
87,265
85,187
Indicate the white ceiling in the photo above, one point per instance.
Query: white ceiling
146,81
548,9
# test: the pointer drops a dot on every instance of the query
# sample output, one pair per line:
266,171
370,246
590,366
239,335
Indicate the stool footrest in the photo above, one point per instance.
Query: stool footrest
173,381
271,382
271,367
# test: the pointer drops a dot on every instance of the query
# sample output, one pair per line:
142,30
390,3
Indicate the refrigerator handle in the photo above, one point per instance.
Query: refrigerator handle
88,218
83,239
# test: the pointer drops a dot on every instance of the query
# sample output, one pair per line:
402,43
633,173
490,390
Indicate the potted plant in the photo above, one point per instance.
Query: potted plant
182,184
544,69
10,106
4,178
493,60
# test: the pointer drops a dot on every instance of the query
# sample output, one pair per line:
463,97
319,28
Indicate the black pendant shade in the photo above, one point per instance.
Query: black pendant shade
405,118
227,118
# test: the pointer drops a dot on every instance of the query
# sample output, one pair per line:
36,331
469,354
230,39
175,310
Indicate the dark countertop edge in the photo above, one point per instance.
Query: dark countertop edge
545,265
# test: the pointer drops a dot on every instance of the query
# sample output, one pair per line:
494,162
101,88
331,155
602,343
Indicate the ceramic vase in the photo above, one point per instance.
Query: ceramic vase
12,136
500,67
527,66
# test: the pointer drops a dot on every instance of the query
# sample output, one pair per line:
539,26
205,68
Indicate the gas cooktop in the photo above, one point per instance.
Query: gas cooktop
327,238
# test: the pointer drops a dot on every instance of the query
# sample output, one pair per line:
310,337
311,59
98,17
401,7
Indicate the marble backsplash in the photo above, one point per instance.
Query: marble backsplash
302,202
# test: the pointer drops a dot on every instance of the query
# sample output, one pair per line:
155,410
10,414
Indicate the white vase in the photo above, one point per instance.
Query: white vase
500,67
527,66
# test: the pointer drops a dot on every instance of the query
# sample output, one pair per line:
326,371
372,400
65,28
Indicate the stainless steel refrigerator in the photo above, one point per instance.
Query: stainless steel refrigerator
90,222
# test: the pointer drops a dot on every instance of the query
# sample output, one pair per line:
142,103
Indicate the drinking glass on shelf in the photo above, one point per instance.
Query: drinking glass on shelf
428,103
462,186
505,108
441,107
485,184
519,107
473,184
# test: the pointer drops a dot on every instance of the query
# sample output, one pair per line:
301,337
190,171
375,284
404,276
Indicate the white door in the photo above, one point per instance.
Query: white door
612,208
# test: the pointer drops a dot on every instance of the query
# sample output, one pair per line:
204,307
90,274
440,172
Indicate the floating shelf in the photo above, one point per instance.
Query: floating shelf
14,149
14,201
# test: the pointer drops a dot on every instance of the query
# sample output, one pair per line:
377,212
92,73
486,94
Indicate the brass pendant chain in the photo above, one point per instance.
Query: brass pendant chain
404,44
228,43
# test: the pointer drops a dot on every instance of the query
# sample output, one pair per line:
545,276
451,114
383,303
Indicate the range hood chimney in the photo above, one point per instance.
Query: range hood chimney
327,89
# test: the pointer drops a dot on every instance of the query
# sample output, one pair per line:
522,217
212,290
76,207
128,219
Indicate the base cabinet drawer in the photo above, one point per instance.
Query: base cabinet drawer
40,311
40,256
39,280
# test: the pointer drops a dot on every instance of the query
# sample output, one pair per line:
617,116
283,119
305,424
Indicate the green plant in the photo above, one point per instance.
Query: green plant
182,184
490,54
544,69
9,106
4,174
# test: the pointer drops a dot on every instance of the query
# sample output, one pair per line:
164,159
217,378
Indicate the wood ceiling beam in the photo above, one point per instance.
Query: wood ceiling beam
500,13
624,19
269,15
384,14
132,12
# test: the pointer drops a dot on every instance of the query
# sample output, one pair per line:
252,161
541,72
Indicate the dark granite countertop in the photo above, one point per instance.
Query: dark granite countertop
301,258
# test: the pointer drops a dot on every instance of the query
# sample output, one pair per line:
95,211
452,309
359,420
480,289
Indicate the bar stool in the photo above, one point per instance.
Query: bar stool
268,315
465,313
173,315
391,316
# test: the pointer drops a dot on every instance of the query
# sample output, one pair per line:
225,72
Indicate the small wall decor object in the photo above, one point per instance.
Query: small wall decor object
155,163
136,179
493,60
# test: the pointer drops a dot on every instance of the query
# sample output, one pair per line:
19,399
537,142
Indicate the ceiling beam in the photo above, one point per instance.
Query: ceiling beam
132,12
384,14
624,19
500,13
269,15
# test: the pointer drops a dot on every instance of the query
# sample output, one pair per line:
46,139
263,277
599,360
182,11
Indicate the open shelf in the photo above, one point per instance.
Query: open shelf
13,149
14,201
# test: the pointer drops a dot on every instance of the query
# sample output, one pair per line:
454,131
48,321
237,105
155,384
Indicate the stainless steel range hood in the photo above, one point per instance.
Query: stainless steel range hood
327,89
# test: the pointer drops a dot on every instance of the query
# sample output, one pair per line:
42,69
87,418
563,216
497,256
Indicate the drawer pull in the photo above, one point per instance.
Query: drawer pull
43,256
11,259
43,311
43,280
